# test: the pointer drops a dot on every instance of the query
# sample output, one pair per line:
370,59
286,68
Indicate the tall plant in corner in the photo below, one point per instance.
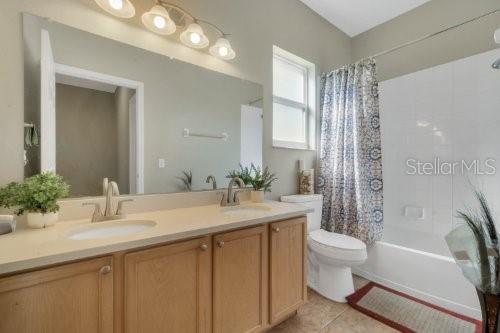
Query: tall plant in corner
475,247
37,196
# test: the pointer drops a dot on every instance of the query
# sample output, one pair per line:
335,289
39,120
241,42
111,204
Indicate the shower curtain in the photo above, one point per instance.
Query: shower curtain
350,165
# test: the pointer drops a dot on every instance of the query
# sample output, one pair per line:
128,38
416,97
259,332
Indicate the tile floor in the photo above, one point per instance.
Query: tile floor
320,315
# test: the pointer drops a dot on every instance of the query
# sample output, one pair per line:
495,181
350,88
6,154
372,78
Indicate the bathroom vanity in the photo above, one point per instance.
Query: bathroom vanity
171,130
198,269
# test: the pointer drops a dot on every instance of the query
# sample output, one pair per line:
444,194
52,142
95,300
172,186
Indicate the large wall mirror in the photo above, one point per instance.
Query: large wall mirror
96,108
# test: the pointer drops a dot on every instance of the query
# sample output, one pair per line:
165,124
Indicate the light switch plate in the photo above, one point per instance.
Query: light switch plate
161,163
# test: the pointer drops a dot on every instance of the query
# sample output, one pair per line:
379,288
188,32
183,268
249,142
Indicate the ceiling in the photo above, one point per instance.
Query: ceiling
356,16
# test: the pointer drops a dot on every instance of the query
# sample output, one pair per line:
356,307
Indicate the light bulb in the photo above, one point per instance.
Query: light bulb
223,51
159,22
195,38
116,4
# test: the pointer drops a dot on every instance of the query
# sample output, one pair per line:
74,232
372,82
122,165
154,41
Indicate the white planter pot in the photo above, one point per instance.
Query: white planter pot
39,220
257,196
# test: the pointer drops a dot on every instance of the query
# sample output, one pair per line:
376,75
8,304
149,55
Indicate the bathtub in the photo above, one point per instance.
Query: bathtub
430,277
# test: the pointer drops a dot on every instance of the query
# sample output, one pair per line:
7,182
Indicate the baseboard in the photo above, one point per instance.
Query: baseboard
447,304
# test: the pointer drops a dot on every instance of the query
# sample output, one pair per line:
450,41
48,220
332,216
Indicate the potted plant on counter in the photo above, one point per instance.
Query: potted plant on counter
37,196
244,173
261,182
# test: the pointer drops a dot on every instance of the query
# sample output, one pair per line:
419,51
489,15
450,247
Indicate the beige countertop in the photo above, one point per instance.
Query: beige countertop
31,248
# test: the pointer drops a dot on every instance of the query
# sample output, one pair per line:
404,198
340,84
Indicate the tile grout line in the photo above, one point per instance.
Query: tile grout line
335,318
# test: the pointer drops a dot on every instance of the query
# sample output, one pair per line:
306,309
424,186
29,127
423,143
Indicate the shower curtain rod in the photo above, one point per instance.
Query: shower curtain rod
431,35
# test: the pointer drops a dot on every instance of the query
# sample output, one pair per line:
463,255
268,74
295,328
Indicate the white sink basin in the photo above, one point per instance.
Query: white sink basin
110,229
246,209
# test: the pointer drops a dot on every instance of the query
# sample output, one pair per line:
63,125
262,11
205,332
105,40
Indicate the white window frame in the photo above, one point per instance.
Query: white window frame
309,106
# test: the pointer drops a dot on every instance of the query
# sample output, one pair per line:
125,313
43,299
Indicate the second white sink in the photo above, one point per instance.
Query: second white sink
110,229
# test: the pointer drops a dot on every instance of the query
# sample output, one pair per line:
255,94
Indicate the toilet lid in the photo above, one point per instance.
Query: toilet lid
335,240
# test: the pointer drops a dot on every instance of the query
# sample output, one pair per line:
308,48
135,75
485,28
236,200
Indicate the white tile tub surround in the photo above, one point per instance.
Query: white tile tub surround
451,111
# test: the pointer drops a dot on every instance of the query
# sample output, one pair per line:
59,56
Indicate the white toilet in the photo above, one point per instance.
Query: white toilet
331,255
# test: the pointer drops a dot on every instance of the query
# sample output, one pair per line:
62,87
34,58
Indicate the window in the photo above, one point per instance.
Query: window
294,100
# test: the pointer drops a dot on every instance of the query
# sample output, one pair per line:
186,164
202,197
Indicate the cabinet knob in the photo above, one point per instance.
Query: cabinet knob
276,229
105,269
203,247
220,243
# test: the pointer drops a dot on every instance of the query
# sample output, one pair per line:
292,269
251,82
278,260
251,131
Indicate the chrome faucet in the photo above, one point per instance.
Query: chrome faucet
110,189
231,199
214,182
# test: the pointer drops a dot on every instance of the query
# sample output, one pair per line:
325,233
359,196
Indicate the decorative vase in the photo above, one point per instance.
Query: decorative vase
306,181
257,196
490,310
39,220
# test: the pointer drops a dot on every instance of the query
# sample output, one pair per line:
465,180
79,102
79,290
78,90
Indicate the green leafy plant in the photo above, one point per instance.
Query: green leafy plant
482,225
36,194
260,180
245,173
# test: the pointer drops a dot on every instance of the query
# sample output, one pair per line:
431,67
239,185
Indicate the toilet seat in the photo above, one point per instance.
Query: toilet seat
337,246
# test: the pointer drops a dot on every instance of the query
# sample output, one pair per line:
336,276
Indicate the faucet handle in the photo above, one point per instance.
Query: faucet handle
223,200
236,198
97,215
119,210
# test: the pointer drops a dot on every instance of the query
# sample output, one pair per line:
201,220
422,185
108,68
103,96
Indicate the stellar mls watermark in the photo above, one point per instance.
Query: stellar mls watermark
439,167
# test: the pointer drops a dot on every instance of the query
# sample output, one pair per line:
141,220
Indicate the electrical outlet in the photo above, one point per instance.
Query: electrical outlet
161,163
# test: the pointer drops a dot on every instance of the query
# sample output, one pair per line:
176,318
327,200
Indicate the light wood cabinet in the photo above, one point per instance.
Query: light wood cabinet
287,267
240,281
69,298
168,288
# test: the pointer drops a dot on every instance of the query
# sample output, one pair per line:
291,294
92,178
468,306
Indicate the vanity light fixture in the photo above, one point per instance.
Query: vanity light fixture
194,37
118,8
158,21
165,18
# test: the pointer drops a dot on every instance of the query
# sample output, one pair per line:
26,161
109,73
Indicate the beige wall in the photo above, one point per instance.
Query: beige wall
472,38
86,132
256,25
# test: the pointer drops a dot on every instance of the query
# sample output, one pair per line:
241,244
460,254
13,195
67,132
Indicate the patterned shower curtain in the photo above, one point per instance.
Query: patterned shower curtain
350,167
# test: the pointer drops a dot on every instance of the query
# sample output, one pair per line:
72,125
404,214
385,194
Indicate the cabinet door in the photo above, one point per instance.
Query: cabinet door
70,298
168,288
288,288
240,281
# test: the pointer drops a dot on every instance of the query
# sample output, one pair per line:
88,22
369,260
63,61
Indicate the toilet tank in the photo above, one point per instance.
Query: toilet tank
314,201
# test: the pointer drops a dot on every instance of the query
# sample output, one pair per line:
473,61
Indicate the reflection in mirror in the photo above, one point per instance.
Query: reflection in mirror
148,122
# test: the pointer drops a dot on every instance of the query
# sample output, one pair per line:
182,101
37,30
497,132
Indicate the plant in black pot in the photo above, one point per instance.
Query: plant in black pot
475,248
